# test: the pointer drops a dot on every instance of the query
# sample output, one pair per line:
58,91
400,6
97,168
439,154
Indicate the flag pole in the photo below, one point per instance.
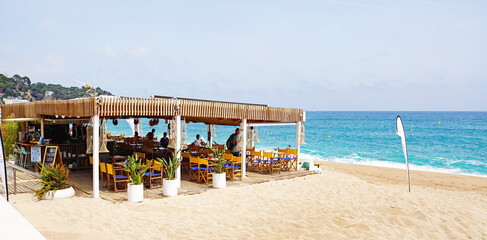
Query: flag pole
402,134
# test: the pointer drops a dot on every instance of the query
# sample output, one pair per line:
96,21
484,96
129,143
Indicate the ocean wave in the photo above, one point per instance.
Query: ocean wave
355,159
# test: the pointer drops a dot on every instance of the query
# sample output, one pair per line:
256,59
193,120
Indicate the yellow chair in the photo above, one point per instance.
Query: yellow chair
293,159
227,156
205,170
155,174
234,168
270,164
255,161
193,168
103,172
117,178
248,153
285,159
141,155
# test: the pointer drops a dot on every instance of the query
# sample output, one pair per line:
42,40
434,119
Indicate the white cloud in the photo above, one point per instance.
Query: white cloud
141,51
108,51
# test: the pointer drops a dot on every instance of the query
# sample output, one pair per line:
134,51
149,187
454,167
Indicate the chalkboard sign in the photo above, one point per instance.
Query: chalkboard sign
35,154
50,155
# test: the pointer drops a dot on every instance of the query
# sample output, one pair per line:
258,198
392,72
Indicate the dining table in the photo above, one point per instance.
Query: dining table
117,158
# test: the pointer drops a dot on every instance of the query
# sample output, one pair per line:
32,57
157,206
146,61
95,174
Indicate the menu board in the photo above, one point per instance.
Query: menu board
3,171
35,154
50,155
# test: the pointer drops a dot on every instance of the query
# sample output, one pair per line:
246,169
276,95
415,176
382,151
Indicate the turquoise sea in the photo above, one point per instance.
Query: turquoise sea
452,142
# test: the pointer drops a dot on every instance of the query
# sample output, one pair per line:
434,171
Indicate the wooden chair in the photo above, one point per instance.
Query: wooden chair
141,155
255,161
285,159
91,165
193,148
234,168
154,174
293,159
117,178
193,168
227,156
149,151
103,172
205,152
248,152
205,171
185,161
220,146
270,164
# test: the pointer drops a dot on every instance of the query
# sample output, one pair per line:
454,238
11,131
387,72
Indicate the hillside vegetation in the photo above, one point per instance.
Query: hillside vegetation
17,86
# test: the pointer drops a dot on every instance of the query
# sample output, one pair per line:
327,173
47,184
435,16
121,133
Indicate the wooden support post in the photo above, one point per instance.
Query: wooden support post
244,146
298,141
15,181
210,137
42,127
95,121
178,146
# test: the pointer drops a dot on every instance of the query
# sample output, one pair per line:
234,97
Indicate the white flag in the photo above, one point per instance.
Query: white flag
402,134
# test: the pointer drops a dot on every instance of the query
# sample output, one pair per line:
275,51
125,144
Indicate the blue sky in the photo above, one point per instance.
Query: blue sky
316,55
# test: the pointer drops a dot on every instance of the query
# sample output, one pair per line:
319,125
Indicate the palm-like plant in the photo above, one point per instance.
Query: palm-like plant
171,164
220,164
53,178
136,169
10,132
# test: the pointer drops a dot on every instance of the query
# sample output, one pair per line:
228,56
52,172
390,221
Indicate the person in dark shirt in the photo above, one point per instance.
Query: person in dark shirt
232,143
150,135
164,140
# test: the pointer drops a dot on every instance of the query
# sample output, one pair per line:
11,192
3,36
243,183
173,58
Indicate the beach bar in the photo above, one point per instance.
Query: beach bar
94,109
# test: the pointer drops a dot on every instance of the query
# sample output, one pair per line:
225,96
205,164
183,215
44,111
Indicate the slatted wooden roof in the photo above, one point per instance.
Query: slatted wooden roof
210,112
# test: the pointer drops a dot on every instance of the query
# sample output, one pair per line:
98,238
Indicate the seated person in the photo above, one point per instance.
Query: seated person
199,142
136,135
164,140
150,135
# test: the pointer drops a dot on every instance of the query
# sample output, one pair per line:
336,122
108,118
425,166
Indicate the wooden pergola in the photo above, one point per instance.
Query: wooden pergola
191,110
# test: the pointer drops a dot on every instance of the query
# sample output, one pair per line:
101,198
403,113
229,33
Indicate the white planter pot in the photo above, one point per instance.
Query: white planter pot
13,158
59,194
135,193
219,180
10,171
169,187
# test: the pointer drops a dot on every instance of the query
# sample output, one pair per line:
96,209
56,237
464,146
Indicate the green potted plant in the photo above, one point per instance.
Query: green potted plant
10,132
135,189
170,184
220,176
54,181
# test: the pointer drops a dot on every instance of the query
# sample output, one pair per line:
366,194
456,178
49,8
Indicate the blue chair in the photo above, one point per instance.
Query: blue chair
23,158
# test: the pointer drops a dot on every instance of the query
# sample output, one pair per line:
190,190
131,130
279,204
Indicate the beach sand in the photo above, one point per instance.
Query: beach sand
346,201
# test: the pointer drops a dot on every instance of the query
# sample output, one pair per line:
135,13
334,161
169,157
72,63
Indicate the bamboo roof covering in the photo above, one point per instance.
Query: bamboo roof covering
209,112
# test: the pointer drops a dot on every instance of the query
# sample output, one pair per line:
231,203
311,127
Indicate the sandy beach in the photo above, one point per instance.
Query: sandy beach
346,201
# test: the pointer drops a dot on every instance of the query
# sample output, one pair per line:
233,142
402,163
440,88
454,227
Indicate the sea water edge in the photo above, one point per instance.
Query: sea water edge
448,142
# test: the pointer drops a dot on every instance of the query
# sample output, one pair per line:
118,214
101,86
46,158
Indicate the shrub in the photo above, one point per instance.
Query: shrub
10,132
52,178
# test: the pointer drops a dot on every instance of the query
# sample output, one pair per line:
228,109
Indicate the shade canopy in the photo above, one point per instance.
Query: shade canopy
191,110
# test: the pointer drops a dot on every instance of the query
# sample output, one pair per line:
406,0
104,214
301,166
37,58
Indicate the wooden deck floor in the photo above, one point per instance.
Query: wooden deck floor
82,181
25,183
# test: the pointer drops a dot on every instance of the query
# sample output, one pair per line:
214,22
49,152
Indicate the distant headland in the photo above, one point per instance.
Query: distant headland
21,88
